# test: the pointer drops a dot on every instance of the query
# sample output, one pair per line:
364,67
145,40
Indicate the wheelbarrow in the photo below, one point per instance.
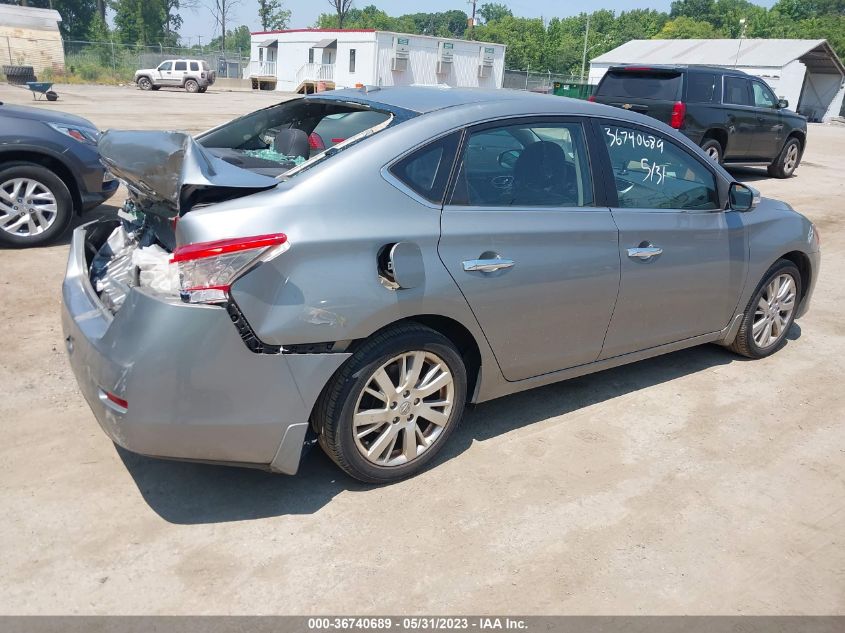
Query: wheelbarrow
39,88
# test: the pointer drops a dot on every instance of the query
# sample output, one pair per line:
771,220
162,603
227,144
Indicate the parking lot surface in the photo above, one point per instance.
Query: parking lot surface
693,483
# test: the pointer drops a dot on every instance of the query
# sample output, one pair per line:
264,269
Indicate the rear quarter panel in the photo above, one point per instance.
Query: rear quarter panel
337,216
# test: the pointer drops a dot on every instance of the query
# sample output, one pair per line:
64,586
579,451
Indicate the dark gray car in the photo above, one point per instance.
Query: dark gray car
469,245
50,170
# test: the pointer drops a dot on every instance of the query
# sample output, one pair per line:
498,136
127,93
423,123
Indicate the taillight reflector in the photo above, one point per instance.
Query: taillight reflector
338,140
117,400
679,111
201,250
591,98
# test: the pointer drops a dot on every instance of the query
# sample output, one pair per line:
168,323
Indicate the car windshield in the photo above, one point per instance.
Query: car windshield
291,134
659,86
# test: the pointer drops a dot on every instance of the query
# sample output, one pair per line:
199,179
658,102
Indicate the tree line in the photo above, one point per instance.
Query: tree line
556,44
550,44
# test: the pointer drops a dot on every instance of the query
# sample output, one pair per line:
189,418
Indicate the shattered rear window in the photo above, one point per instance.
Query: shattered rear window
291,134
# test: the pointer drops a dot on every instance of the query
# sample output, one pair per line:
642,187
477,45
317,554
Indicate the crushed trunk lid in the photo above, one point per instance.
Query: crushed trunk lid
169,172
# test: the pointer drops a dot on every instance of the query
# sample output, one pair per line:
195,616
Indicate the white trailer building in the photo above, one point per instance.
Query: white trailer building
305,60
805,72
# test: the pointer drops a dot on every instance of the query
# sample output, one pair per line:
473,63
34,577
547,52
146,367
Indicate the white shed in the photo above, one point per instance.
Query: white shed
305,60
30,37
805,72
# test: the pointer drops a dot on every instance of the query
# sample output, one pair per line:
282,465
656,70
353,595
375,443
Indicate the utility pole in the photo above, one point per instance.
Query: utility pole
584,56
472,19
742,25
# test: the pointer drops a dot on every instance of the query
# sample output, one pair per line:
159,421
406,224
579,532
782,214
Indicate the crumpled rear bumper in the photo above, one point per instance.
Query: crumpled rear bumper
194,390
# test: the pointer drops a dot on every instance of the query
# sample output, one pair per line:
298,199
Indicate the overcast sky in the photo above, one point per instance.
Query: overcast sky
305,12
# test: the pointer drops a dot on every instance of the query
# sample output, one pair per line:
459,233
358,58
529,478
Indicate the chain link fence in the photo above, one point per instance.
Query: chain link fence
67,61
547,82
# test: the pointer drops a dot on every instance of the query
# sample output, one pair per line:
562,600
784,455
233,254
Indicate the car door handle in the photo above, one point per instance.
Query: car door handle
487,265
644,252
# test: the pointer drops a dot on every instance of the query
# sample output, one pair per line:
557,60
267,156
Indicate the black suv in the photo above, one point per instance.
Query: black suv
49,171
734,117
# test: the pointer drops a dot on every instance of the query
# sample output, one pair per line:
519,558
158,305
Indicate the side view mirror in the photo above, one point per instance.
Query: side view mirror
742,197
508,158
783,104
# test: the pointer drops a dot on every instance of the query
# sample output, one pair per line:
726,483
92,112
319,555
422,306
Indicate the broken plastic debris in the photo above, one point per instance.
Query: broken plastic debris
154,269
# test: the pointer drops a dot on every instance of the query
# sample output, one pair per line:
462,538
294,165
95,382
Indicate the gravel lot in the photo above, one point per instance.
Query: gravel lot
694,483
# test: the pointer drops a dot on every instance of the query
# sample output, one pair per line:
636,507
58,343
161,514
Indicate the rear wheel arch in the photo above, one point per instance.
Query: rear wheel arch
49,162
717,134
453,330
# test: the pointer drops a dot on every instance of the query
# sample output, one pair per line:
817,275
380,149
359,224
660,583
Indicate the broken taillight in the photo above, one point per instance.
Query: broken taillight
207,270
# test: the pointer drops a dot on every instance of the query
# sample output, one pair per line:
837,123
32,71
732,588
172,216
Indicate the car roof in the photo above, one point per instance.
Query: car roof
424,99
679,67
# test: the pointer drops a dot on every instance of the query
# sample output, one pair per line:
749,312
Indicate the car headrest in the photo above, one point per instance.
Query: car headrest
292,142
542,174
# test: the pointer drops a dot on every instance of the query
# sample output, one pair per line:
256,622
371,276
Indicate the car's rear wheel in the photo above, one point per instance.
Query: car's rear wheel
35,205
191,86
390,409
713,149
770,313
144,83
787,161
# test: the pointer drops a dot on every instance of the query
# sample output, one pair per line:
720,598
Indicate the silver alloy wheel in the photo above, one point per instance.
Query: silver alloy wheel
775,308
791,160
713,152
404,408
144,83
27,207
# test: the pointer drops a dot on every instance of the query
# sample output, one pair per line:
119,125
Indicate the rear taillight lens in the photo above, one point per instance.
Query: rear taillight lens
207,270
679,111
591,98
315,141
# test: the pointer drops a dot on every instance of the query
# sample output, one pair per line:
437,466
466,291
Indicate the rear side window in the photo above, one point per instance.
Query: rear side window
181,66
195,66
652,172
641,85
702,88
426,171
205,65
525,165
737,91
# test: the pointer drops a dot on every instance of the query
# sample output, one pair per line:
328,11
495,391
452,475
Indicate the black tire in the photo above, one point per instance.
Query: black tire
156,88
333,413
788,160
56,186
713,149
144,83
744,343
203,89
192,86
51,96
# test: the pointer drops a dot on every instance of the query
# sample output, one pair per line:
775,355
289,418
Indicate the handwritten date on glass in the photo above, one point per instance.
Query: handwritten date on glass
620,137
653,172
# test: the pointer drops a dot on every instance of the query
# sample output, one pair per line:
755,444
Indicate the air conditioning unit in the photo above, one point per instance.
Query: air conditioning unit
401,53
445,52
486,55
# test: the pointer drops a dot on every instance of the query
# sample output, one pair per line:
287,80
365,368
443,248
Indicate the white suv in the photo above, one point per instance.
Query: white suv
193,75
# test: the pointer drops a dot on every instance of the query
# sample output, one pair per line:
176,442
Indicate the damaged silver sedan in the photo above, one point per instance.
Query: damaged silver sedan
350,268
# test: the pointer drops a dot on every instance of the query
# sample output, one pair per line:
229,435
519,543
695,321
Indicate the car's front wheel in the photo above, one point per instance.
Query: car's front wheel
787,161
770,313
144,83
391,407
35,205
